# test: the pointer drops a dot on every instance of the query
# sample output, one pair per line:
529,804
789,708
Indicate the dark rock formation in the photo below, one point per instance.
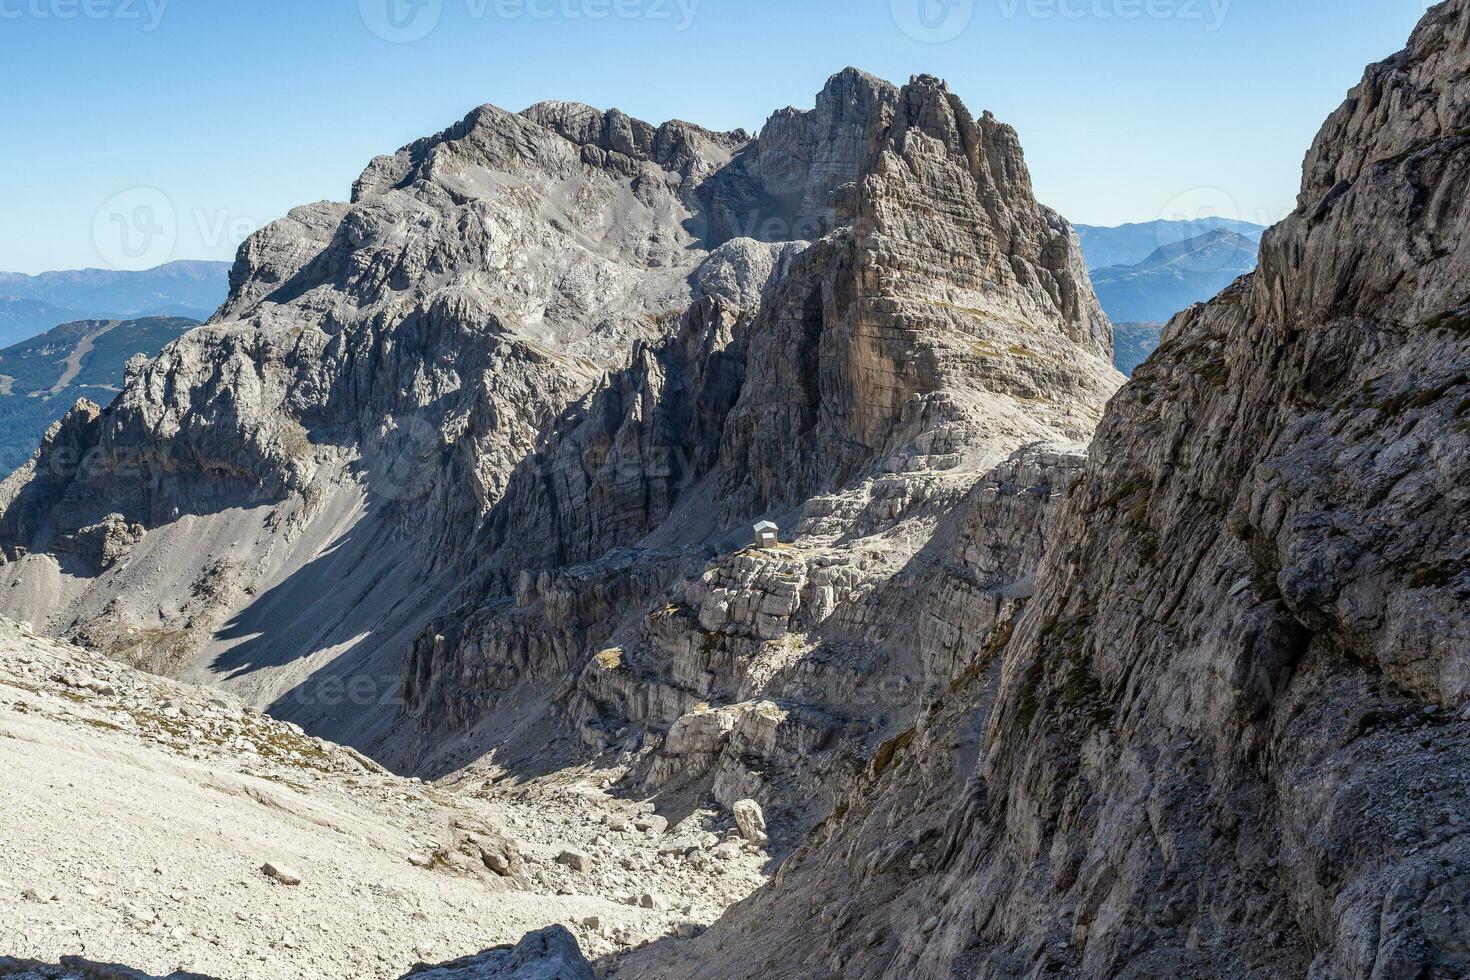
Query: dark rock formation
550,954
1229,733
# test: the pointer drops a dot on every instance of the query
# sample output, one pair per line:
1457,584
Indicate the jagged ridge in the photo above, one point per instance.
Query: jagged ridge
1228,733
530,343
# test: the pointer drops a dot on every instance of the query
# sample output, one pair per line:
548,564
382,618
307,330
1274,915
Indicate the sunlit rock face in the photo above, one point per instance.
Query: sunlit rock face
1227,735
493,437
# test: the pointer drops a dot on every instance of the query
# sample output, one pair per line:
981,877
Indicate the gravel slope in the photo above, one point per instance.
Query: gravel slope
137,815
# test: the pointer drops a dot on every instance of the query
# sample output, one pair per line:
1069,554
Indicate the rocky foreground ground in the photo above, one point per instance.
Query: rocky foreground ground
171,829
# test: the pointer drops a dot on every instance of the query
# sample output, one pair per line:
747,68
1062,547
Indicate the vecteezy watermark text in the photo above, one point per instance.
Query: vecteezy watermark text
149,13
938,21
933,21
1210,13
406,21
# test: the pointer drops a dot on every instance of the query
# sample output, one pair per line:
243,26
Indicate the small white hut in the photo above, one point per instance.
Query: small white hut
767,535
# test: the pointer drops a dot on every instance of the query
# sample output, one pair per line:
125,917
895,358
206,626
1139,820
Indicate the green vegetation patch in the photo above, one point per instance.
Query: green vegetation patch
31,372
1419,398
890,750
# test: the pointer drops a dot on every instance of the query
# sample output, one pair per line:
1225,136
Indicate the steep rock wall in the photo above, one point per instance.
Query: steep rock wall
900,395
1228,736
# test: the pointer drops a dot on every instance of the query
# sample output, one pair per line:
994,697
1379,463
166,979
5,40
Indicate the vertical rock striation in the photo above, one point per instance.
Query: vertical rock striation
487,442
903,396
311,466
1228,735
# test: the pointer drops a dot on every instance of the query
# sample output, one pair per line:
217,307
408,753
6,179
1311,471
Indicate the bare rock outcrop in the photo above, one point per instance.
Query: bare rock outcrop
170,828
492,436
550,954
1228,734
381,370
782,185
902,395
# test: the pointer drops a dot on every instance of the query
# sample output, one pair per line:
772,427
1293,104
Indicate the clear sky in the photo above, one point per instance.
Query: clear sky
208,118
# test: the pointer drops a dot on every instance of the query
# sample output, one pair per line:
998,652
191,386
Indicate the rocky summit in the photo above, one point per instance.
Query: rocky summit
737,556
494,435
1228,736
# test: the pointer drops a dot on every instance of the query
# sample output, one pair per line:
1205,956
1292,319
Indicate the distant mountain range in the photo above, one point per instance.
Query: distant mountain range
42,378
30,305
1131,244
1134,343
23,318
1145,273
1171,278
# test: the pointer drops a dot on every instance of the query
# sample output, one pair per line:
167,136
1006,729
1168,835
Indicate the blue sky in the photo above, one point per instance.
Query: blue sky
211,117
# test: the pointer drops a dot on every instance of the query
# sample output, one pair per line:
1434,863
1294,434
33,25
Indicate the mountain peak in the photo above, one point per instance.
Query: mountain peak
539,286
1212,250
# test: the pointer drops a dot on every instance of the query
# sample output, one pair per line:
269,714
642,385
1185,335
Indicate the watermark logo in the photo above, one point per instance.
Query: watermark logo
406,21
677,13
222,227
354,690
1202,208
933,21
147,13
136,230
139,229
772,229
401,21
1201,211
399,458
938,21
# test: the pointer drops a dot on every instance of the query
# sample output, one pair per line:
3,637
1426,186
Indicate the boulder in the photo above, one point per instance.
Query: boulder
578,861
280,873
550,954
752,822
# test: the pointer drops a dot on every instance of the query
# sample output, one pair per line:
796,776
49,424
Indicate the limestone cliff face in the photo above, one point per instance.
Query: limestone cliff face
948,320
1229,732
312,464
536,378
781,186
902,396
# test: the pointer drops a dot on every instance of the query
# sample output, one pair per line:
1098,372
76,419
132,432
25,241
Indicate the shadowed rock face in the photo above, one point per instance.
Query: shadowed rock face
492,435
535,381
951,314
1229,733
902,396
550,954
781,185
